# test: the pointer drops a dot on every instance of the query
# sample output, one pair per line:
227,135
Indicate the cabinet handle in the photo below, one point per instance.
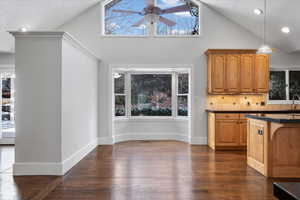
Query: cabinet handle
260,132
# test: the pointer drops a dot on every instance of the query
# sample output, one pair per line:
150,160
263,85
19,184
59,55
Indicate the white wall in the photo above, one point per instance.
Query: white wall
7,59
56,103
217,32
79,100
6,42
38,107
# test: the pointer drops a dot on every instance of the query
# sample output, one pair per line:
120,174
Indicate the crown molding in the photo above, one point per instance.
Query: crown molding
55,34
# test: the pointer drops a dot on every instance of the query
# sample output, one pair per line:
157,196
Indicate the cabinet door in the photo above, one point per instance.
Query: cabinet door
261,73
218,73
243,133
256,141
227,133
232,73
247,73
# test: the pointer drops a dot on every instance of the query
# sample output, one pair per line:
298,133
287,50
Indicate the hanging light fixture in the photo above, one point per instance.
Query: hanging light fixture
265,49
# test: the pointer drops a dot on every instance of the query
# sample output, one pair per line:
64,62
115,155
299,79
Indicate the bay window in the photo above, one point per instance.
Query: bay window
157,94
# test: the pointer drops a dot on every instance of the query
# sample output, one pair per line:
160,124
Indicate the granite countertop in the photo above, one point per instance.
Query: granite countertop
287,191
276,118
253,111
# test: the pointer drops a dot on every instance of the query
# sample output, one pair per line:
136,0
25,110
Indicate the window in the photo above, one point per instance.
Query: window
8,104
182,94
151,95
151,17
119,84
284,86
159,94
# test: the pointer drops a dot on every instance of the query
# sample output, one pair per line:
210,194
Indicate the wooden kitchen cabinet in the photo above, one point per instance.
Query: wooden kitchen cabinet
243,133
227,131
247,73
232,76
273,146
261,77
237,72
218,67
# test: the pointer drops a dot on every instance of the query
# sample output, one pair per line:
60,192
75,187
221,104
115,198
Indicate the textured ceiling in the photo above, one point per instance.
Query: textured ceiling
281,13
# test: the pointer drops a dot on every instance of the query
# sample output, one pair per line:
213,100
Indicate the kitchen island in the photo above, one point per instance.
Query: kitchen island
273,144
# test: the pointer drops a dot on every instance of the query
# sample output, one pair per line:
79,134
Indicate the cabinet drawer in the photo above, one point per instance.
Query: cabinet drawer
227,116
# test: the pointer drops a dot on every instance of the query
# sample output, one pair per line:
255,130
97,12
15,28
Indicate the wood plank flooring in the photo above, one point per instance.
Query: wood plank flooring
22,187
162,170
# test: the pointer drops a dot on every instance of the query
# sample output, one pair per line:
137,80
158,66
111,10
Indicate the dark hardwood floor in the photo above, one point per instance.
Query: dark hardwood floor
22,187
162,171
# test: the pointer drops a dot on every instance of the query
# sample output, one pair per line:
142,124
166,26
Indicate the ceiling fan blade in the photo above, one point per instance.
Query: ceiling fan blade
167,21
149,2
127,11
181,8
139,23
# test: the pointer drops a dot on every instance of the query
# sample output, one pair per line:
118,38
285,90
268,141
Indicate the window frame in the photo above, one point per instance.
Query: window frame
147,35
174,87
287,101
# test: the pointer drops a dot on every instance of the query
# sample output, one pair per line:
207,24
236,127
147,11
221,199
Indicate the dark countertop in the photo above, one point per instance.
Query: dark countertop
287,191
253,111
283,118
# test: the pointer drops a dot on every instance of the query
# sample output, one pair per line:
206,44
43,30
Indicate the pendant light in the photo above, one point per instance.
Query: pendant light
265,49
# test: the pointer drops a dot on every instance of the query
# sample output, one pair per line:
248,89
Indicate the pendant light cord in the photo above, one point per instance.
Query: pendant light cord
265,23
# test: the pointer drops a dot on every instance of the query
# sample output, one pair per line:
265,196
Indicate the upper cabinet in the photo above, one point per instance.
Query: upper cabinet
218,67
261,74
237,71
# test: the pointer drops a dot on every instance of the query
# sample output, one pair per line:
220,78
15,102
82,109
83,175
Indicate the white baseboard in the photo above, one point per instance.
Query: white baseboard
70,162
156,136
105,141
199,140
32,169
55,168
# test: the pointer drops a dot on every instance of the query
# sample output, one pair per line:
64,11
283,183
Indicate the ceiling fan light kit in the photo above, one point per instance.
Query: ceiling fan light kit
153,14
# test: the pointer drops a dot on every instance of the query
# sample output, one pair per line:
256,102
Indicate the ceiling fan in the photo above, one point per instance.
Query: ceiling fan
152,13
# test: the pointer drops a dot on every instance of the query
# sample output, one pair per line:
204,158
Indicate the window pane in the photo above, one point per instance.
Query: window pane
119,83
119,105
277,85
182,103
122,17
183,21
151,95
294,82
183,83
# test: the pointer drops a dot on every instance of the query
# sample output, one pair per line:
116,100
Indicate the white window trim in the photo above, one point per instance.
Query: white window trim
147,35
174,72
287,102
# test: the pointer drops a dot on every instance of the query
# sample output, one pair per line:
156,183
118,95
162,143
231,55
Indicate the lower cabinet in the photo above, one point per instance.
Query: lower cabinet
227,131
243,133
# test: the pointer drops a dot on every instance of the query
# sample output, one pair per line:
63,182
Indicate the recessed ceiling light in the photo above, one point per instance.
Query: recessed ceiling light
258,11
24,29
285,29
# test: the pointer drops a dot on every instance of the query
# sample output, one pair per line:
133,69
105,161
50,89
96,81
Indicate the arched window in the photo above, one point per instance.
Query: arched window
151,17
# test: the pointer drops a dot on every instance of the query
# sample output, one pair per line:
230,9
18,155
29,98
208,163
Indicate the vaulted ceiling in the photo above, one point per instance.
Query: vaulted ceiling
280,13
49,14
38,14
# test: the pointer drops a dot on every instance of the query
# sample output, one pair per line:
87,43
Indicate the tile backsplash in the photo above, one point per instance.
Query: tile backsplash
242,102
